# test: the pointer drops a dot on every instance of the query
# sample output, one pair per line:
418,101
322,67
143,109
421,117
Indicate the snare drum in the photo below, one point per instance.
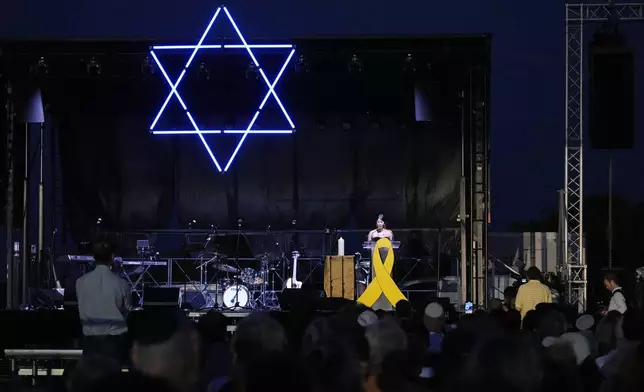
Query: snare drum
236,296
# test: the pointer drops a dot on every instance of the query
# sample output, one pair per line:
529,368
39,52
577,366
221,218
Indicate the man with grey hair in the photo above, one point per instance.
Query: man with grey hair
389,365
166,347
385,337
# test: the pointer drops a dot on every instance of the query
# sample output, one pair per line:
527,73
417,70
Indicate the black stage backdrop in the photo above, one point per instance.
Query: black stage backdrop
324,175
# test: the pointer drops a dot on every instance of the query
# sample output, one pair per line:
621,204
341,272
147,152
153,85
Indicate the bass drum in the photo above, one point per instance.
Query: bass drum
237,297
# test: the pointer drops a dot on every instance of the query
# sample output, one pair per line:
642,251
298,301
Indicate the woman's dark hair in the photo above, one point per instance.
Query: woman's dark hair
502,364
510,292
212,327
333,365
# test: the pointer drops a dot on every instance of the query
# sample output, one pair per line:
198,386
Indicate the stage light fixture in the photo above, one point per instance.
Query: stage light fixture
174,85
321,125
355,64
301,65
147,67
94,68
251,72
204,71
40,68
410,63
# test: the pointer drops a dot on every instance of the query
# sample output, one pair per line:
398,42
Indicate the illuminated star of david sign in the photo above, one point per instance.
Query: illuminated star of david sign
174,90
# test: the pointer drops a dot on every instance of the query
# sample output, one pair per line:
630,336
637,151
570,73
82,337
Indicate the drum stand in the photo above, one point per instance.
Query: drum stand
249,305
205,283
267,298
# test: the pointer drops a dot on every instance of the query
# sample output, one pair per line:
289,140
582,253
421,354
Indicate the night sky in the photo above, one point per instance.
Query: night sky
527,61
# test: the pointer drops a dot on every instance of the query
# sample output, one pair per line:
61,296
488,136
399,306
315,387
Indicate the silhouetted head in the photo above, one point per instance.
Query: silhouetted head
103,252
533,273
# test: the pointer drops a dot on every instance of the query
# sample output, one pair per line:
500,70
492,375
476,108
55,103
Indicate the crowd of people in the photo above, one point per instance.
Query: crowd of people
526,343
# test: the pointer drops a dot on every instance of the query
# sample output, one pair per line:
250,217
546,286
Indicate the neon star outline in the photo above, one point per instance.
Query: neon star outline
174,86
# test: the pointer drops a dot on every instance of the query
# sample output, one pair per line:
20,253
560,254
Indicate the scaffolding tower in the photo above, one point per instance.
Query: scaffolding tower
577,16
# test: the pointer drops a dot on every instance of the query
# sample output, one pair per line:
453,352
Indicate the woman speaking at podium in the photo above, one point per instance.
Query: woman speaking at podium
363,268
380,231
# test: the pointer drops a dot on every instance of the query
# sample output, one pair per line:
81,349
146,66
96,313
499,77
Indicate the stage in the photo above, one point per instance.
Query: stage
213,197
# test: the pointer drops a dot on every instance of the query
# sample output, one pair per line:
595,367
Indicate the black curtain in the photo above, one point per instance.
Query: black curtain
115,169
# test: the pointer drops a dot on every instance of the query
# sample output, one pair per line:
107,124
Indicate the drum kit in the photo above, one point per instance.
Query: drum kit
236,288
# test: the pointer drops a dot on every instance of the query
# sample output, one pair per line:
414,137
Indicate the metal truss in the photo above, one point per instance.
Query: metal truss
577,15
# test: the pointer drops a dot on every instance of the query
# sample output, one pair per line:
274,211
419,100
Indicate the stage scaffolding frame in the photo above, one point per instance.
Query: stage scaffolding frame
577,16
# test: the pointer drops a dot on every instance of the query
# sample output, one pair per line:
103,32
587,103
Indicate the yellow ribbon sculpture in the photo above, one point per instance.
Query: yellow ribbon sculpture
382,283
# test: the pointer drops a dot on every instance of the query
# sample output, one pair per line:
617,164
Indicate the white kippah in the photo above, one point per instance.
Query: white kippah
367,318
585,322
550,340
434,310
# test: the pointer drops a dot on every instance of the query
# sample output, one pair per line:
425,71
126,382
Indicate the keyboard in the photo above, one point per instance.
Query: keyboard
119,261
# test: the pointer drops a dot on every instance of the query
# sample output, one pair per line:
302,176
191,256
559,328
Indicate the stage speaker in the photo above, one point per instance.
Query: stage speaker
162,297
612,96
299,299
193,300
50,297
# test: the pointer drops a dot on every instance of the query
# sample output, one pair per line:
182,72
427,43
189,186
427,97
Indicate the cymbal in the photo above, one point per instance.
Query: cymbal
226,268
268,256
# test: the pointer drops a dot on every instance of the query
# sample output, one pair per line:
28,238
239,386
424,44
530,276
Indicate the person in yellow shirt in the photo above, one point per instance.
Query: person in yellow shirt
532,293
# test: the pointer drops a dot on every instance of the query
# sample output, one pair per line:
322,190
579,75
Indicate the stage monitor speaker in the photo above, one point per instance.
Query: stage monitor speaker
193,300
163,297
612,97
299,299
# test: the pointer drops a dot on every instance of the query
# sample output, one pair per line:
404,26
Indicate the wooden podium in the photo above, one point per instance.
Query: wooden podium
339,277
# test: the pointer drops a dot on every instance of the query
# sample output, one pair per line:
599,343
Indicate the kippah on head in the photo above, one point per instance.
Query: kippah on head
585,322
434,310
367,318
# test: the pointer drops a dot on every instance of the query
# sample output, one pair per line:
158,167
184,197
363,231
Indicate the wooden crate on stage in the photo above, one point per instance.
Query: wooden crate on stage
339,277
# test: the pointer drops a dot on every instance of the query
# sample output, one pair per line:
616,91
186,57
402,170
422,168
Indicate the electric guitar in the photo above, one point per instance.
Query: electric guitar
292,282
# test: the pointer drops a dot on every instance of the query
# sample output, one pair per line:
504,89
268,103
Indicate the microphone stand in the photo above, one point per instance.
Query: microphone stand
203,273
239,228
282,260
50,261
